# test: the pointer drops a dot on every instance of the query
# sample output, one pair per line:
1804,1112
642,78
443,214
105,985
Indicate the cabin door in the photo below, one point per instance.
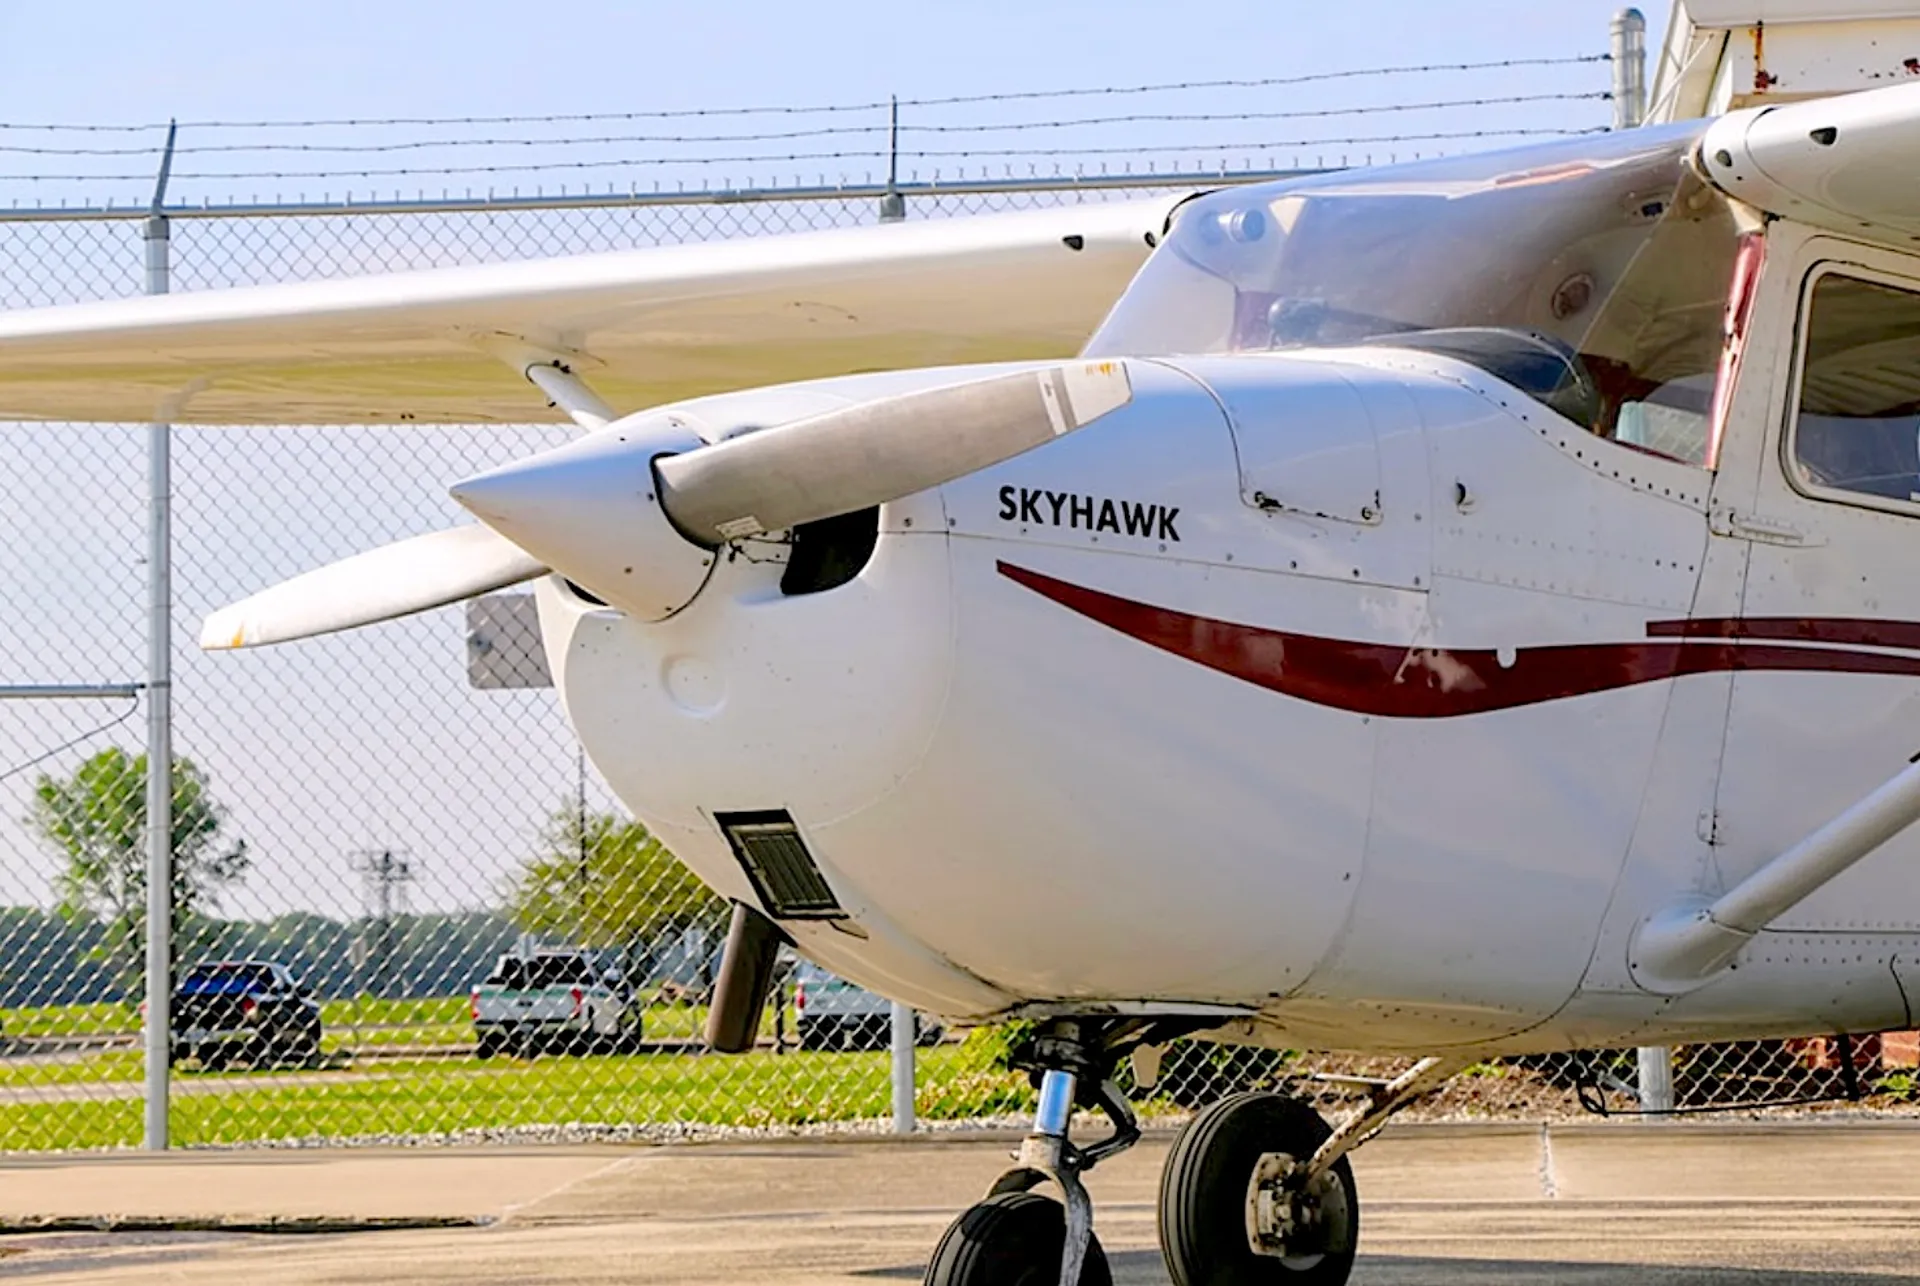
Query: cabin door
1826,691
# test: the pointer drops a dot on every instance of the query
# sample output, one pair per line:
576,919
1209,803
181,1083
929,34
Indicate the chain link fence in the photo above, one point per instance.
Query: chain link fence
379,862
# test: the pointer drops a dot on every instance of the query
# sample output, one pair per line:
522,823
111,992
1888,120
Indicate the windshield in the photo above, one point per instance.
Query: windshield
1607,247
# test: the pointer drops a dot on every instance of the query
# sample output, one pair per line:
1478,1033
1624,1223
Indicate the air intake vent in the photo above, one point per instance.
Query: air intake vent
829,553
776,860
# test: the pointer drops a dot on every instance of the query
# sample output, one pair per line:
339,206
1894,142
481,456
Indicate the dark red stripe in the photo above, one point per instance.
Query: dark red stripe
1858,631
1431,683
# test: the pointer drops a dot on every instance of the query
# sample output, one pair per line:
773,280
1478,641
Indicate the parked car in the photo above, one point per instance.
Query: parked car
560,999
832,1013
251,1010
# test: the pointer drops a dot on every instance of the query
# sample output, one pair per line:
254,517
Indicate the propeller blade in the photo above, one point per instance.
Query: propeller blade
632,511
850,459
391,581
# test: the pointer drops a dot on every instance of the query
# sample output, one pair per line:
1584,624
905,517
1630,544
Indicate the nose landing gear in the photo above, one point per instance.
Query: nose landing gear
1257,1188
1016,1237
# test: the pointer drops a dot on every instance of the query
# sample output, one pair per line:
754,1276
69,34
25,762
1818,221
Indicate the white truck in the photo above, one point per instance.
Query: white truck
554,1000
834,1014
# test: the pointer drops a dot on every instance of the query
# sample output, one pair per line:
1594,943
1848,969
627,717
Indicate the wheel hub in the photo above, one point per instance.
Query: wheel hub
1293,1215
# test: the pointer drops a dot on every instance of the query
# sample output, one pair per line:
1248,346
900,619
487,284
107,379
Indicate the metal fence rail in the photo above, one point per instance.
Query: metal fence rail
357,811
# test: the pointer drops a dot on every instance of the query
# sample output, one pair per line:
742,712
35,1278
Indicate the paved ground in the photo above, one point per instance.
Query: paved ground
1791,1205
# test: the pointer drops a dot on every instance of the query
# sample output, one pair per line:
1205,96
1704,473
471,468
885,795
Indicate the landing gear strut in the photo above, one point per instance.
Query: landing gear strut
1257,1188
1016,1237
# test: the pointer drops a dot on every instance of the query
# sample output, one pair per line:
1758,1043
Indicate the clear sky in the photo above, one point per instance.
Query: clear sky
373,739
117,62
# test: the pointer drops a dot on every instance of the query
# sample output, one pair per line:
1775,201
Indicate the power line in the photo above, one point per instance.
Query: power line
575,118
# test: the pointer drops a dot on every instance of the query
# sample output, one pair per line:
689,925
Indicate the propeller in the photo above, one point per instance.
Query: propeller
379,585
633,511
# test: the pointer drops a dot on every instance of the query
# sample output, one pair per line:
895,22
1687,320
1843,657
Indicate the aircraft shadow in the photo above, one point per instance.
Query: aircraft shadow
1143,1268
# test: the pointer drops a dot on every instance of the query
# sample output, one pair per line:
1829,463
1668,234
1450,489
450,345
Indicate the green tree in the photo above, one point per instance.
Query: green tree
602,880
96,821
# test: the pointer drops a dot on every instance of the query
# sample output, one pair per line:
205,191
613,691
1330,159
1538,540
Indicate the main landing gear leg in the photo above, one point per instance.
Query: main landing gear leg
1017,1237
1257,1188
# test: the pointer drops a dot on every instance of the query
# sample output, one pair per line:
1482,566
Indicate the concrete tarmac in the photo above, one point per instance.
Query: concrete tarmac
1814,1204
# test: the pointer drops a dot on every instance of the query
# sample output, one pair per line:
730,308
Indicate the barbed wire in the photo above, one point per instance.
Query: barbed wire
832,131
575,118
956,154
1375,109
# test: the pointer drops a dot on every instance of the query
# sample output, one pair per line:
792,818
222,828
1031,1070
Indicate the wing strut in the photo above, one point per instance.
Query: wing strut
571,394
1684,946
552,373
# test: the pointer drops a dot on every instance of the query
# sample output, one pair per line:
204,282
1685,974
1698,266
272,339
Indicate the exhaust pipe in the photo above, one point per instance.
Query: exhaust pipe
746,976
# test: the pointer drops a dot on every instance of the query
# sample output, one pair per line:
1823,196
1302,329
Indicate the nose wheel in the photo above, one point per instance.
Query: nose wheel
1012,1239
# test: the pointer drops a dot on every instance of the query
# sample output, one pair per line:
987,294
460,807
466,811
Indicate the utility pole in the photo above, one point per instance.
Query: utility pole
386,873
159,1032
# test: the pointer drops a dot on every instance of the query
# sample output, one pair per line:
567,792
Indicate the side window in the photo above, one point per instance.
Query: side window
1856,427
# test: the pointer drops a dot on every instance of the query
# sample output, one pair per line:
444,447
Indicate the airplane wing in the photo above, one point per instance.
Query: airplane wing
1850,164
642,327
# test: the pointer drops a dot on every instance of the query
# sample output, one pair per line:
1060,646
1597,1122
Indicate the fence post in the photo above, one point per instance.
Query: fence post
1656,1078
1629,51
903,1050
893,206
159,1027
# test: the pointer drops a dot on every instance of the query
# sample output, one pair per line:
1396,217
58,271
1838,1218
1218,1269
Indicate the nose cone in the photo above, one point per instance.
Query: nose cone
590,511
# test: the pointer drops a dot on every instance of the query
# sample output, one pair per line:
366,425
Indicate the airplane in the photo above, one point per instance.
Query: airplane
1456,609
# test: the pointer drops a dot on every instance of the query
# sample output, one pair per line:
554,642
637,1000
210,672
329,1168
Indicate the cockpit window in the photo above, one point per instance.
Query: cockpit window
1607,248
1856,432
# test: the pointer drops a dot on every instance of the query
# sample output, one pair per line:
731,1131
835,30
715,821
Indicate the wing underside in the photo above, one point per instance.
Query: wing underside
642,327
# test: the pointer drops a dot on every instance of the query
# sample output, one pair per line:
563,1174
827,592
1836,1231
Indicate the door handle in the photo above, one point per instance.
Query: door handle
1766,530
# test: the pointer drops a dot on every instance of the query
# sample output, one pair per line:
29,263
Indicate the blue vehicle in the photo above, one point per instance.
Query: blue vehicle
247,1010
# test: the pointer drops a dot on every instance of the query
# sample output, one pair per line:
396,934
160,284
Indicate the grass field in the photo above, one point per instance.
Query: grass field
70,1020
759,1089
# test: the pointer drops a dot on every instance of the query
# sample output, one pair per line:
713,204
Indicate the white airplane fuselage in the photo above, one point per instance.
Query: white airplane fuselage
1348,695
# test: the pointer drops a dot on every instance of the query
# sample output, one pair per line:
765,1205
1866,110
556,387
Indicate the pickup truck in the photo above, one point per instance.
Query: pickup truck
553,1000
250,1009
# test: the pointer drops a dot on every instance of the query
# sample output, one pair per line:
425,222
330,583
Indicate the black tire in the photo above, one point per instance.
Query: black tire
1203,1195
307,1051
487,1044
1013,1239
